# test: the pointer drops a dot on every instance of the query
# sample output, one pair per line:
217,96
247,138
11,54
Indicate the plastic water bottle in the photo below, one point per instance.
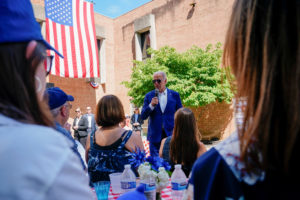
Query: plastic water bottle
179,183
128,179
148,182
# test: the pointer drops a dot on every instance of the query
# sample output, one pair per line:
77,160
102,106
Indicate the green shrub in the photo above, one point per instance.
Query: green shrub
196,74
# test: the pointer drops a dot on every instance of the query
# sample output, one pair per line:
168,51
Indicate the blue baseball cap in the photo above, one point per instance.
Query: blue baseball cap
18,23
57,97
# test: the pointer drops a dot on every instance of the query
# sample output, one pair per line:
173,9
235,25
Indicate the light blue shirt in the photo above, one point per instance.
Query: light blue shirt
38,163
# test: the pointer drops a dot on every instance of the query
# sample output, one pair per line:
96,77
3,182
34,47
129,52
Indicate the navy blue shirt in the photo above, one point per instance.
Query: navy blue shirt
220,174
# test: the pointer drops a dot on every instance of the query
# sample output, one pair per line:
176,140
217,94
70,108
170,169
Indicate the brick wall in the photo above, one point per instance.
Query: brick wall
83,93
178,24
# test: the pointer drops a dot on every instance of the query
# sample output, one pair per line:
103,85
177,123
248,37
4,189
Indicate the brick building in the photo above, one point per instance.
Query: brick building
177,23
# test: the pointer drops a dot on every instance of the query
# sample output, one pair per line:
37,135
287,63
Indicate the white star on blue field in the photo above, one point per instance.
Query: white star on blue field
116,8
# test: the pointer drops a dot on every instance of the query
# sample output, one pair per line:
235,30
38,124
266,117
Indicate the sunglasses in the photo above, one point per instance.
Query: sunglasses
156,80
48,64
69,105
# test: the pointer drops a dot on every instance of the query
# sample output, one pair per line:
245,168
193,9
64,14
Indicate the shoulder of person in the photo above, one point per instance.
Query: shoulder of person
31,133
134,135
31,151
84,118
40,136
163,140
202,149
173,92
152,92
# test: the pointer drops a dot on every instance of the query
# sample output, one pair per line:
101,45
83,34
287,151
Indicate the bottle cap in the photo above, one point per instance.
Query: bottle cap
178,166
127,166
161,169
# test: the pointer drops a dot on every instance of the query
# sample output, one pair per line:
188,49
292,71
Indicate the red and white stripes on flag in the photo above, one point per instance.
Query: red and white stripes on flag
70,28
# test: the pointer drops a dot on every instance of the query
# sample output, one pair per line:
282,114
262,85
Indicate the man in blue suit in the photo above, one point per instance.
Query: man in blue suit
160,106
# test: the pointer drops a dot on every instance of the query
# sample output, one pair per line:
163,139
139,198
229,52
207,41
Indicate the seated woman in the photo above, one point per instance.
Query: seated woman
184,147
108,149
137,121
260,160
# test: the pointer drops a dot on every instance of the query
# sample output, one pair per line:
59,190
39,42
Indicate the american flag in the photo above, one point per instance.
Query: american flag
70,28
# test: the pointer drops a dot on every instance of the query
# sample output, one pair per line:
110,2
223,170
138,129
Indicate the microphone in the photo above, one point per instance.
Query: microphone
156,92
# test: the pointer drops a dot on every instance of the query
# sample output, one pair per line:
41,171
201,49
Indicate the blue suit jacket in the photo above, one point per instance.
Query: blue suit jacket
157,119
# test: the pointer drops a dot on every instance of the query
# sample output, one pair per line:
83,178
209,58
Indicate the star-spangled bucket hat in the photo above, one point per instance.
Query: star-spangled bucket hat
18,24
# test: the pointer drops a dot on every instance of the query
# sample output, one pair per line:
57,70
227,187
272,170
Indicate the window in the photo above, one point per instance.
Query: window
145,44
145,36
99,44
101,56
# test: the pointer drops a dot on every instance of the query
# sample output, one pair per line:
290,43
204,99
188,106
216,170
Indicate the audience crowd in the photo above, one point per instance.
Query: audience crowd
42,159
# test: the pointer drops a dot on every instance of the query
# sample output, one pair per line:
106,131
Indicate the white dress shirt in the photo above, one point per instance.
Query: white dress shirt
89,118
77,122
136,116
162,99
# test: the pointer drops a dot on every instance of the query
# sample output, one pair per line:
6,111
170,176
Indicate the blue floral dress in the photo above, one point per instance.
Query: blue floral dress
104,160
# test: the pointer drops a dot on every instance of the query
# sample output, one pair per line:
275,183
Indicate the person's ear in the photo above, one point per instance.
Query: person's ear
63,111
30,48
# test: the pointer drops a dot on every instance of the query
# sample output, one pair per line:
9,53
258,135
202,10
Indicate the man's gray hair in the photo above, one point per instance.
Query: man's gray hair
55,111
161,73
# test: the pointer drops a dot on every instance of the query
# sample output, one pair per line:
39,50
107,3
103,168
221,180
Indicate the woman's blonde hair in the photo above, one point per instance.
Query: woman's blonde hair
263,49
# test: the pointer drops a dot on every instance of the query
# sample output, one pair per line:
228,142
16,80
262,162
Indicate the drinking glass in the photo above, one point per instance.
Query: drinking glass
102,189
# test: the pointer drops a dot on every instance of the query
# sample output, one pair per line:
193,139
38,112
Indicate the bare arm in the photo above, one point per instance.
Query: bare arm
134,142
162,147
87,147
202,149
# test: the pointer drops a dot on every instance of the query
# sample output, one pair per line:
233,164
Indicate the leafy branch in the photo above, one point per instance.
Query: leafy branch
196,74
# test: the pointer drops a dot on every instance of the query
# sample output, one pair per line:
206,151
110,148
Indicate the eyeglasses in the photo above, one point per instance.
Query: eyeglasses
48,64
69,105
77,111
156,80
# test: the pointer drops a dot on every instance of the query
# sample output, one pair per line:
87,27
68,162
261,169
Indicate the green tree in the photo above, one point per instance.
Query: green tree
195,74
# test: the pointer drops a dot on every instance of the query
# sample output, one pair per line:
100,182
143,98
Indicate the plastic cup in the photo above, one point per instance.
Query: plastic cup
102,189
115,180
